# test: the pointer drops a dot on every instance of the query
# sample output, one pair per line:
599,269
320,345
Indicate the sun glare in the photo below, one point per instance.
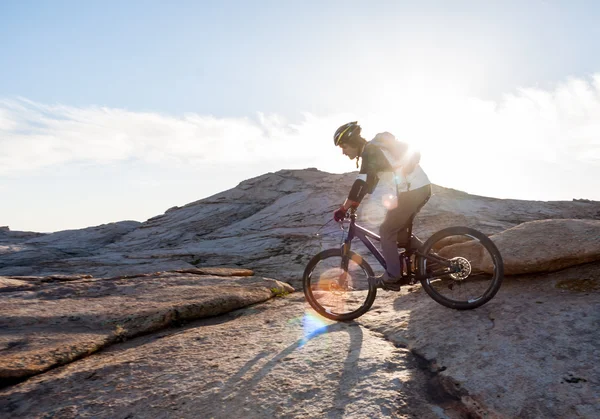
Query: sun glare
432,108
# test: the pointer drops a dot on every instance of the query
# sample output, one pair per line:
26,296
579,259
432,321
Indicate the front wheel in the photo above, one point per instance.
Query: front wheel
460,268
337,286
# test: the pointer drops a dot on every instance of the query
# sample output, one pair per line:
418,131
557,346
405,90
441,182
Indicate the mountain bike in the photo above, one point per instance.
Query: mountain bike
459,267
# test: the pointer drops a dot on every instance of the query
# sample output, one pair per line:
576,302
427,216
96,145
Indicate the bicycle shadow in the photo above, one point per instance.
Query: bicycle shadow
243,383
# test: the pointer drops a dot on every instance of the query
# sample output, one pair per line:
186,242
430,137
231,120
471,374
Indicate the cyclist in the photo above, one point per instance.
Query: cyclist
412,189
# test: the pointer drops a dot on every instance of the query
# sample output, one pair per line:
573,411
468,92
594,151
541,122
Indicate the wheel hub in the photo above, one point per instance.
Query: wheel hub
340,285
463,267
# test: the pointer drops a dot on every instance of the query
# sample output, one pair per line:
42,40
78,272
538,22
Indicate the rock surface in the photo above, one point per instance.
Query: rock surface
53,323
11,237
278,359
536,246
528,353
270,360
266,223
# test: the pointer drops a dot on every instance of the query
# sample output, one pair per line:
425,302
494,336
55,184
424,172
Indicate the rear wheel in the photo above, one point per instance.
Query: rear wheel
338,287
461,268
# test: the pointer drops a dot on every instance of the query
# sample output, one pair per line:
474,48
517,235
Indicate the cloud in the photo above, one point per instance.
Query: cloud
34,135
558,126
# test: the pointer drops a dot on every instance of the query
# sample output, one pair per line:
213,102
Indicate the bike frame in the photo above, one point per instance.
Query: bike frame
361,233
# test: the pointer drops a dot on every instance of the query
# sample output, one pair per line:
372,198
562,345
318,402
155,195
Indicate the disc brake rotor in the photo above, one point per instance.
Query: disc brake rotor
464,267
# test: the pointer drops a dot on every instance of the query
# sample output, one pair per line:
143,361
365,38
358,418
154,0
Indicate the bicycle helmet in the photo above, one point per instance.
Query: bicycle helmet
347,133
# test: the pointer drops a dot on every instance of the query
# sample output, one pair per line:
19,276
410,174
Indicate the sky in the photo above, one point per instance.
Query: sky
113,111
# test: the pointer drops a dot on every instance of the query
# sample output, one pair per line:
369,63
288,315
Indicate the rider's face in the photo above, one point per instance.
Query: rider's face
350,151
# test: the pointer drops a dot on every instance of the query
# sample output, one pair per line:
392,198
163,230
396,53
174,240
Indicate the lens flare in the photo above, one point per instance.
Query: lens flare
389,201
313,325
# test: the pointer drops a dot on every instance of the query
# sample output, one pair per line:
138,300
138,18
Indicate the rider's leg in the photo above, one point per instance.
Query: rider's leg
413,241
396,220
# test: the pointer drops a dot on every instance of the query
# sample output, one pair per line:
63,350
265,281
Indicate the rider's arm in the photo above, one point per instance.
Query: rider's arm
367,178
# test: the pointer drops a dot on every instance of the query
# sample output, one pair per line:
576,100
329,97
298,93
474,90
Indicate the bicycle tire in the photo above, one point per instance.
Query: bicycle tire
311,283
495,281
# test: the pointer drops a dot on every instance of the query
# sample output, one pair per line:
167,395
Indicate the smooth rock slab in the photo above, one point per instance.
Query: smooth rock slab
56,323
272,360
531,352
536,246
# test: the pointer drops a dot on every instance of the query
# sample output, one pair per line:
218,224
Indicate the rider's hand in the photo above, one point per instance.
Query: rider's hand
340,214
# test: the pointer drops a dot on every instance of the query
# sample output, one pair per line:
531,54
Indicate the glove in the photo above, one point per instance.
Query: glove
340,214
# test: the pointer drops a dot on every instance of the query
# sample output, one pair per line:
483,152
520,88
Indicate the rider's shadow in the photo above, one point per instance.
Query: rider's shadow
241,383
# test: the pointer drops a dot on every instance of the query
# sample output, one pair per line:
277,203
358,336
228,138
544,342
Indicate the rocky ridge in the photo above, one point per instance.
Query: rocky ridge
539,332
267,223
